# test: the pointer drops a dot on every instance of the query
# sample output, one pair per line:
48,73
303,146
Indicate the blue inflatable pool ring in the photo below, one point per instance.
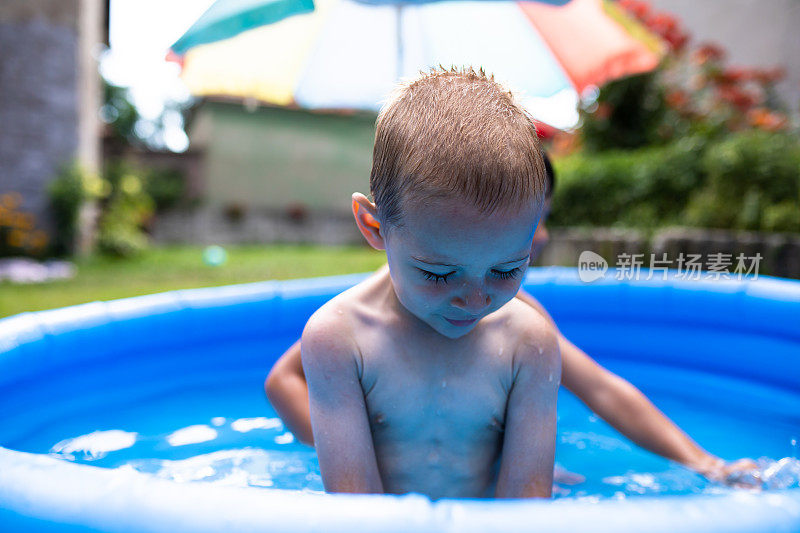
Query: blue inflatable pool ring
732,347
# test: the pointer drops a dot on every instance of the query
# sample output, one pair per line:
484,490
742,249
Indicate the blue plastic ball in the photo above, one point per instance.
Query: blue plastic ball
215,256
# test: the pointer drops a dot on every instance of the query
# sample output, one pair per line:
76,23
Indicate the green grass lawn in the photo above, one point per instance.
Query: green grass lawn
182,267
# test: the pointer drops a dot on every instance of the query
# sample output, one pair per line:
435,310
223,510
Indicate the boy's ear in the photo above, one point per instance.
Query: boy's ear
366,215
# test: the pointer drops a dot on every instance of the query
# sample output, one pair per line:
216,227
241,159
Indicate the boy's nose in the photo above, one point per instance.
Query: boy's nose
473,301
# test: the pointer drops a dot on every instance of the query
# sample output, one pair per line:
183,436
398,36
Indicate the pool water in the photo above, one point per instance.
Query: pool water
217,427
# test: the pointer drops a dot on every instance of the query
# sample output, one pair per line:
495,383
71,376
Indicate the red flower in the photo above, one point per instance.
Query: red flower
676,39
768,76
637,8
677,99
662,23
708,52
734,75
738,98
767,120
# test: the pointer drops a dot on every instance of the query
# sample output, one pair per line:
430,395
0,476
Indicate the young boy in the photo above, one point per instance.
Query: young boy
427,376
613,398
610,396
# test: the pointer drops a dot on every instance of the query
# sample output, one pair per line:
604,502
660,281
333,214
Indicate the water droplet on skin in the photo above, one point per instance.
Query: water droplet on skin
339,311
500,352
540,350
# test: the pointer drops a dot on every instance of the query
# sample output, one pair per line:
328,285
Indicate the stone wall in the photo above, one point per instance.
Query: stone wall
49,95
219,225
38,108
779,252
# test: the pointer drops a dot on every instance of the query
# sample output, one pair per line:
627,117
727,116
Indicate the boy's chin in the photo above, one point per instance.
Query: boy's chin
451,331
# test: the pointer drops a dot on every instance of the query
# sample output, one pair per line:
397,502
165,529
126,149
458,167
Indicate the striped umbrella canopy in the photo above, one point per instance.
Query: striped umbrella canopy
348,54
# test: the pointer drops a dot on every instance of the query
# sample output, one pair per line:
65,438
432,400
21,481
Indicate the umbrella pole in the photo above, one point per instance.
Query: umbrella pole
399,26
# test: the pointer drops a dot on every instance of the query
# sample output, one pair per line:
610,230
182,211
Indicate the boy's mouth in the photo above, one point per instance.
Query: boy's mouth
462,323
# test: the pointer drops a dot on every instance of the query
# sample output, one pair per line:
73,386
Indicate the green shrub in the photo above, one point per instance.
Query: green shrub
127,211
753,184
591,189
67,193
784,216
165,187
749,180
126,200
640,188
627,114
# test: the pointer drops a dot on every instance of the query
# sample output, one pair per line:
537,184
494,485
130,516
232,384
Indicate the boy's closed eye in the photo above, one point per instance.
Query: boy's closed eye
442,278
436,278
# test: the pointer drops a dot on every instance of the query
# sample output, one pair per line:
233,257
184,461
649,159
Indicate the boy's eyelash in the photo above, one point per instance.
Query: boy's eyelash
506,274
500,274
436,278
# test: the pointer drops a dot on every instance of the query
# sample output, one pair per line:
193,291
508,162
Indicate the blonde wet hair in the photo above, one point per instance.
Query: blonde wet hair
455,133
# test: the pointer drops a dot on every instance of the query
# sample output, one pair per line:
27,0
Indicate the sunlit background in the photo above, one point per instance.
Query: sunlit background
149,153
135,59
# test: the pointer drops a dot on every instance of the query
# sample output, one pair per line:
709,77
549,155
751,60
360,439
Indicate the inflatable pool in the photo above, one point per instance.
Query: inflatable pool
89,392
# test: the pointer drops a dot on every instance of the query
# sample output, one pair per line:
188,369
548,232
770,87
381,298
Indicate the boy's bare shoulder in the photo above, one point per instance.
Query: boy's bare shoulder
327,333
535,337
331,331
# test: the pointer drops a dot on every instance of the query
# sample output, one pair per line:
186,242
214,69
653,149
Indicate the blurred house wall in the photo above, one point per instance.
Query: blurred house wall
49,94
755,33
274,157
271,174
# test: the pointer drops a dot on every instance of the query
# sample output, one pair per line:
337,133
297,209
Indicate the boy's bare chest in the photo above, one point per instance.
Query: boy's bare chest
426,389
442,411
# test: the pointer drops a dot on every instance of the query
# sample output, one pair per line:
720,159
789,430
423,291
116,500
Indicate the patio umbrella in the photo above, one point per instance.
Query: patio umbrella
228,18
348,54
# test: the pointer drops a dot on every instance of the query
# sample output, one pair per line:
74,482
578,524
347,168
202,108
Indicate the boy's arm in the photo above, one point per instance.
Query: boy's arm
287,391
629,411
623,406
529,442
338,413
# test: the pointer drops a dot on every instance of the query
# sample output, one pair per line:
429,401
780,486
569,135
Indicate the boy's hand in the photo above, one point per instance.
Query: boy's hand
565,477
743,473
